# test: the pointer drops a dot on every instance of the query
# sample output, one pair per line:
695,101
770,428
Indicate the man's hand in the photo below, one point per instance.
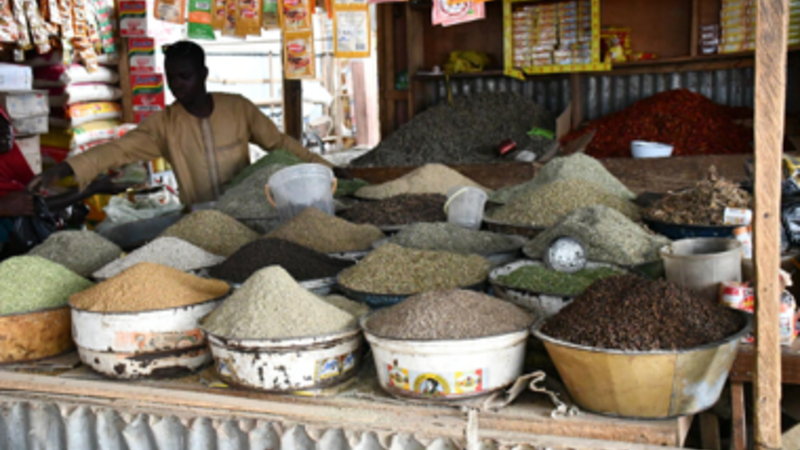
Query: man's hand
343,173
16,204
50,176
104,184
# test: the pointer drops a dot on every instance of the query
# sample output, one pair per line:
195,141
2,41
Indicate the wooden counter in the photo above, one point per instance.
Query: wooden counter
526,421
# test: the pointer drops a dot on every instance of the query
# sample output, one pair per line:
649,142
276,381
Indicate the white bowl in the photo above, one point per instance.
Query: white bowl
644,149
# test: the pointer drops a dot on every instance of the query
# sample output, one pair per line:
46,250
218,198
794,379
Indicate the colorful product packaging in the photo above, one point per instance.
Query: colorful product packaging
200,26
248,22
295,15
171,11
218,10
269,15
132,18
298,55
351,30
142,55
148,95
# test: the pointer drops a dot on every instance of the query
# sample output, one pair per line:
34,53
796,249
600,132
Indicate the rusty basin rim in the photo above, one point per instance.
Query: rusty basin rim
747,328
34,313
284,345
524,333
239,383
495,282
147,312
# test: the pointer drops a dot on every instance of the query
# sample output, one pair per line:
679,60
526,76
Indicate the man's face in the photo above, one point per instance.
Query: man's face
185,80
6,135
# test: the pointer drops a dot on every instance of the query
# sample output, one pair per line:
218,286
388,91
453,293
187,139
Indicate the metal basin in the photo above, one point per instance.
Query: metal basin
149,344
644,385
286,365
447,369
541,304
35,335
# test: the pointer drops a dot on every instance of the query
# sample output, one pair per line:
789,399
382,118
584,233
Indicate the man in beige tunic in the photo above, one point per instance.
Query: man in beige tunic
203,135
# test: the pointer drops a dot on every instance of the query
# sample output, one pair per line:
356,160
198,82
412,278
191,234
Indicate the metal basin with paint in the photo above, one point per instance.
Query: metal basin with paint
287,365
149,344
35,335
644,385
450,369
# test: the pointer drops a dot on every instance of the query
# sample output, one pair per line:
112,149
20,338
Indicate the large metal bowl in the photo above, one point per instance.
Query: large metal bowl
286,365
644,385
375,301
35,335
676,231
450,369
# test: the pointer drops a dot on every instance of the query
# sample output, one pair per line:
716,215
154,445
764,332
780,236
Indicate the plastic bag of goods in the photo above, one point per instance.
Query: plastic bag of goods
62,75
79,114
82,93
74,138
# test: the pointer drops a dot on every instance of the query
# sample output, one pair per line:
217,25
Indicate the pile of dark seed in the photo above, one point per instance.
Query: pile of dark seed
636,314
467,132
399,210
452,314
302,263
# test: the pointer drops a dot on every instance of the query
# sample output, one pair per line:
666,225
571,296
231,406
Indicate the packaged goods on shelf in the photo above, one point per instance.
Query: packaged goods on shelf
552,37
63,75
81,93
20,104
15,77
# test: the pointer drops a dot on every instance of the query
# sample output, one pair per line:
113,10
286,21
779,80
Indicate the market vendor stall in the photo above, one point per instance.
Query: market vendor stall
297,308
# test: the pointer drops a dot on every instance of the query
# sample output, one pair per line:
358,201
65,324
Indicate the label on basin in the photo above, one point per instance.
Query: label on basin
327,368
437,384
151,341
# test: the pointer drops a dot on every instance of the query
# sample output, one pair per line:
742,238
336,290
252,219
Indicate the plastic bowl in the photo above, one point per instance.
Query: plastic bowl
645,149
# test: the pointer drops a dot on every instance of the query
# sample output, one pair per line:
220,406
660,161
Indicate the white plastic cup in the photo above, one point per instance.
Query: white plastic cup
464,206
295,188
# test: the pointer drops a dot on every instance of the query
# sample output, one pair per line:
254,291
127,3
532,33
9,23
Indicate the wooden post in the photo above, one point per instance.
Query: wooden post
293,108
415,40
771,45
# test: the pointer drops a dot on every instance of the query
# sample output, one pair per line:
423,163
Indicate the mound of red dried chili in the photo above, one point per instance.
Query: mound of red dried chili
693,124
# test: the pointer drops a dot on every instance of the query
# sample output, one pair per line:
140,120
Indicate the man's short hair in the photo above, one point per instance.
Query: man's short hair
186,50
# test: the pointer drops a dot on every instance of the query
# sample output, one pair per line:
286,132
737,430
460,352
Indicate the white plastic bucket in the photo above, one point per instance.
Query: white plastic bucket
464,206
448,369
295,188
703,263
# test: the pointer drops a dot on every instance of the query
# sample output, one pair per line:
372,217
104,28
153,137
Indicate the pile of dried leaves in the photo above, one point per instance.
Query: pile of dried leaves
704,204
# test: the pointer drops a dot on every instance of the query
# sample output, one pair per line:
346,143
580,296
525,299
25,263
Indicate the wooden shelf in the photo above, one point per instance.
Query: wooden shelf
677,64
441,76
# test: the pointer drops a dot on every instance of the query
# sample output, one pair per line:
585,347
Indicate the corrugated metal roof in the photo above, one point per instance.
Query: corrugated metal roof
51,425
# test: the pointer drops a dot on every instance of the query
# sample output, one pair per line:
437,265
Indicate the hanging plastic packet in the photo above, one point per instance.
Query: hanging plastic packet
231,10
104,12
9,31
81,43
218,10
298,55
67,32
24,42
248,22
53,13
200,20
269,15
41,36
170,11
351,33
92,26
295,15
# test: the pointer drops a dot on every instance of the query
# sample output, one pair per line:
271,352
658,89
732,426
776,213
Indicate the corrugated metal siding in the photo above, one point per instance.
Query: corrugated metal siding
33,425
553,93
606,94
